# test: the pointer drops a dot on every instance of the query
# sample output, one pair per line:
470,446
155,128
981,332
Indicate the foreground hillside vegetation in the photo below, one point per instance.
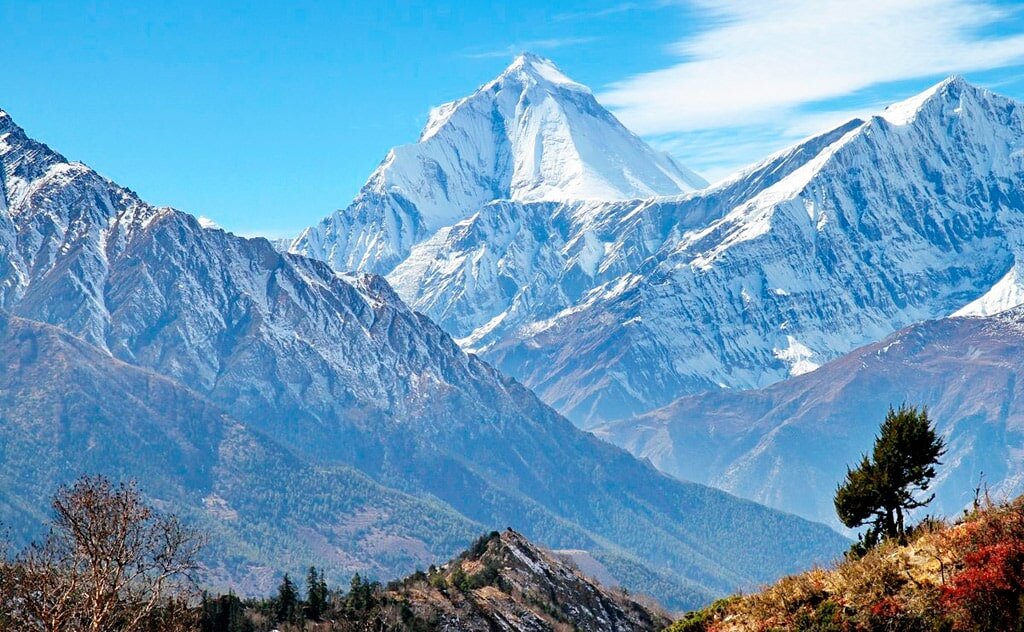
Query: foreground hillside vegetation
502,582
962,576
936,576
112,562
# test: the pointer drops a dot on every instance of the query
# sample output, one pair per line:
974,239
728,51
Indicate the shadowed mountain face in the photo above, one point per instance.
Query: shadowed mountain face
339,373
69,408
788,445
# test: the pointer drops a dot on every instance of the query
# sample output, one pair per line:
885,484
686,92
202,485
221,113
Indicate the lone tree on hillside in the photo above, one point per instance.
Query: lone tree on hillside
884,486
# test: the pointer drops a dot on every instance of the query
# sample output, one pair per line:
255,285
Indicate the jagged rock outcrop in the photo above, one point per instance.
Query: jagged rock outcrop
507,583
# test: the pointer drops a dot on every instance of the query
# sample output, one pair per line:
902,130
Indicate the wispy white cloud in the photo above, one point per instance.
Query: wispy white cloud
531,46
760,62
717,152
615,9
206,222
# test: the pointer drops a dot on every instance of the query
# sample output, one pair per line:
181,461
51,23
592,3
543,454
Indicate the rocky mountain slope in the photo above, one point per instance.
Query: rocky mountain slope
531,134
513,268
788,445
339,371
504,582
836,243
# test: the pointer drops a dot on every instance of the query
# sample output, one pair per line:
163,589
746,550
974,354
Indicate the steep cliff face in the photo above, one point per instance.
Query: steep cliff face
531,134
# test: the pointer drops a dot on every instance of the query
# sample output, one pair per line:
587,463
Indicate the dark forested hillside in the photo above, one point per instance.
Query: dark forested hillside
265,509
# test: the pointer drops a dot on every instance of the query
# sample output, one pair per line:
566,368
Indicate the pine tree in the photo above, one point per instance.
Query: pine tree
360,596
226,613
316,595
885,486
287,604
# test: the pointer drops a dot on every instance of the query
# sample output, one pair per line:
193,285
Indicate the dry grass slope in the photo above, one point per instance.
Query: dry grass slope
966,575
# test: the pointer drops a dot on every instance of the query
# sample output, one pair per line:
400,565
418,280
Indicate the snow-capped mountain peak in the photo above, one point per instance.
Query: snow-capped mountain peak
528,73
550,138
945,91
541,70
531,134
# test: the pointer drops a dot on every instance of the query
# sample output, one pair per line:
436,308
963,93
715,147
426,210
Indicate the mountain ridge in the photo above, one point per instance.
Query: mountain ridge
107,416
884,225
336,369
505,582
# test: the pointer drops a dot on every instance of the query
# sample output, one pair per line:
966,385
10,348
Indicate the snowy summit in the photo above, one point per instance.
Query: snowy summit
531,134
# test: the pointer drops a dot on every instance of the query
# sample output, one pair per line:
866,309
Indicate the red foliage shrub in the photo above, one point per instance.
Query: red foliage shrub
986,592
889,607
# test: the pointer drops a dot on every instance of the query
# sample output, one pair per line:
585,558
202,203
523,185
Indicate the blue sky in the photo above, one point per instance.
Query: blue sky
267,116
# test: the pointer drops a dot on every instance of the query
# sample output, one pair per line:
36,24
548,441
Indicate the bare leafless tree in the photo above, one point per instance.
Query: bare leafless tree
110,563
